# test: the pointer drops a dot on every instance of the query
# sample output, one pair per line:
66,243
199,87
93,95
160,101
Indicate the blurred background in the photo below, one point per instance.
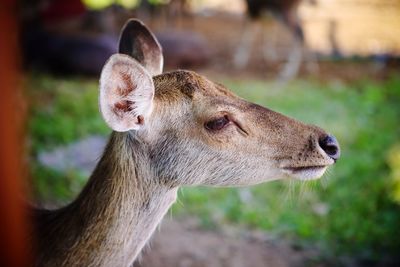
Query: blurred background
333,63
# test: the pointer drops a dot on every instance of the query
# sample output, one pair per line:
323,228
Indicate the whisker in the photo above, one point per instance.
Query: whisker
303,189
291,190
325,179
284,193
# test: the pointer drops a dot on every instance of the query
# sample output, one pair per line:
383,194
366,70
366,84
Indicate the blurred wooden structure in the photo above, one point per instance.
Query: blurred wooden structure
13,226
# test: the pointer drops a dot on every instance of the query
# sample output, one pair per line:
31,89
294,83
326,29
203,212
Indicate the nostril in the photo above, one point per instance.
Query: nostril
331,146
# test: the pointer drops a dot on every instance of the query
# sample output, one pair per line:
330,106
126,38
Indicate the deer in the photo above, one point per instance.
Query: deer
286,12
169,130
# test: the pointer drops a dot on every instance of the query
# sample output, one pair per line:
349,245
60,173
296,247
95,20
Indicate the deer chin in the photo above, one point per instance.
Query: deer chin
306,173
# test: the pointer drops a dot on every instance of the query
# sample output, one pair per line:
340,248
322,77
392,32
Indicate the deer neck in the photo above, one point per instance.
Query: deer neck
118,209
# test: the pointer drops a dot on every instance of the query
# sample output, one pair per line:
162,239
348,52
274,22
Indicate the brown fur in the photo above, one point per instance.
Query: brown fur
101,221
134,177
162,144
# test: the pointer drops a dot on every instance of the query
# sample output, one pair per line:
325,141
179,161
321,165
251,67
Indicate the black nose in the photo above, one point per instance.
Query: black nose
331,146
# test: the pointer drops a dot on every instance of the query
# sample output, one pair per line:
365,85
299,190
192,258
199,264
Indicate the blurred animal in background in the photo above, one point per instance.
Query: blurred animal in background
258,13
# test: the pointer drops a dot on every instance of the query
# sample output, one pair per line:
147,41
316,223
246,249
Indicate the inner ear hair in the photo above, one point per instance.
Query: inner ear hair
140,120
126,93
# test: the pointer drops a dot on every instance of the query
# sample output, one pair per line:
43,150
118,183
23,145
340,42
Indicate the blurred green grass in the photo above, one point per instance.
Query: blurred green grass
350,211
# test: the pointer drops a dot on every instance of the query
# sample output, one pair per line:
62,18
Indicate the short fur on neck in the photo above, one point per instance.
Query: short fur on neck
114,215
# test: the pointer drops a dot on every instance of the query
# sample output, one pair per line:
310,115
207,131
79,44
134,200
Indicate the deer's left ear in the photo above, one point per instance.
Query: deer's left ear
126,93
139,42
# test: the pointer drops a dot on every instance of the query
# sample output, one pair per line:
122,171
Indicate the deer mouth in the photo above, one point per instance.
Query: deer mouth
305,173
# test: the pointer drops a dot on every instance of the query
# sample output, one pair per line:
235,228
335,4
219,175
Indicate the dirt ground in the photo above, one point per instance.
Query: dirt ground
184,244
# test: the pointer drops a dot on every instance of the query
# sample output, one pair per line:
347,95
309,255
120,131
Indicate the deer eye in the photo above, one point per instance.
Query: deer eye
217,124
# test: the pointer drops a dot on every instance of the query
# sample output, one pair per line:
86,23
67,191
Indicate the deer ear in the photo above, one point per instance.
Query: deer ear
126,93
137,41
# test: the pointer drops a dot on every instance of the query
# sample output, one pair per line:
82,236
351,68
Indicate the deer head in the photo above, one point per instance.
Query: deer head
197,132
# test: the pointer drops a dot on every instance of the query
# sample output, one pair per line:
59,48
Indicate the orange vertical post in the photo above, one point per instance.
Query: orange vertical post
13,223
